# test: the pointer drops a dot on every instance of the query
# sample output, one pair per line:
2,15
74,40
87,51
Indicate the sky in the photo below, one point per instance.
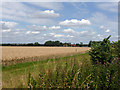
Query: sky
73,22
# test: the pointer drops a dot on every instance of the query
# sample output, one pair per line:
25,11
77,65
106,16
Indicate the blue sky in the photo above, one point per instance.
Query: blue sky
74,22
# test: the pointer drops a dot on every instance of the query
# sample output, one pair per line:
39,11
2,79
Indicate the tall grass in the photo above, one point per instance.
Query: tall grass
16,76
76,72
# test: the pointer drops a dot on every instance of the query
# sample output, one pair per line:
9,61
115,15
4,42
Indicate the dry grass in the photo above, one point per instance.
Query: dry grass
16,76
14,54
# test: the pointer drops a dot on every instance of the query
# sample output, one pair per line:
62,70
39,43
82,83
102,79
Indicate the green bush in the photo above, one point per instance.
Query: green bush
101,52
116,49
79,72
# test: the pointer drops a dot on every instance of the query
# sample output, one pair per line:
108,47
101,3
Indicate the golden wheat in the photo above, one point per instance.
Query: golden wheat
13,52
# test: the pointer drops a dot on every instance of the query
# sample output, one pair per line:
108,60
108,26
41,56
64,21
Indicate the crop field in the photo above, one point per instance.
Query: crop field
69,67
17,76
12,53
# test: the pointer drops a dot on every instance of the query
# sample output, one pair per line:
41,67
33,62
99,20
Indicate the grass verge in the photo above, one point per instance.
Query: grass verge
66,72
13,74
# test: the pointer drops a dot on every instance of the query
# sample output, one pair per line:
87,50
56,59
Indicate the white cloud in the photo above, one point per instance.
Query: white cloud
107,30
23,29
35,32
69,30
52,34
69,36
75,22
100,36
87,33
32,32
44,34
25,13
54,27
99,19
28,32
42,28
102,27
7,25
111,7
80,33
16,32
56,35
8,30
44,14
37,28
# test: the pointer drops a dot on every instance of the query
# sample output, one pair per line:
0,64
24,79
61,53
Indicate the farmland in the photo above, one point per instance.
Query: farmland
76,69
16,76
14,53
44,55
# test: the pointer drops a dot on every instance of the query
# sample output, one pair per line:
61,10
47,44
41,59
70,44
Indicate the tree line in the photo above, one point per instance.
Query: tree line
51,43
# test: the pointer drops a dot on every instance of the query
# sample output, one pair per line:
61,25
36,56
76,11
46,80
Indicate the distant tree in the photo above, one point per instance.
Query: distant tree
48,43
57,43
30,44
77,44
90,42
53,43
36,44
81,44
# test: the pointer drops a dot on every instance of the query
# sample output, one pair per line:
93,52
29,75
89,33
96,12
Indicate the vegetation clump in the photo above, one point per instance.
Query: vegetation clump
101,52
100,71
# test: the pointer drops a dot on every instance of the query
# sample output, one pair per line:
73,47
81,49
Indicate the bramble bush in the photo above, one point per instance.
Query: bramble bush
101,72
101,52
105,60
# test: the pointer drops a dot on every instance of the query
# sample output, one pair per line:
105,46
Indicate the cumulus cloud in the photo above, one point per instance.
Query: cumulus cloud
23,29
52,34
44,14
8,30
100,19
69,36
54,27
69,30
21,12
102,27
32,32
28,32
16,32
35,32
42,28
87,33
79,33
100,36
75,22
37,28
56,35
107,30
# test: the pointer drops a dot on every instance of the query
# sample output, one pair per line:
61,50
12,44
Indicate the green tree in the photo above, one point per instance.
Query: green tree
81,44
90,42
36,44
48,43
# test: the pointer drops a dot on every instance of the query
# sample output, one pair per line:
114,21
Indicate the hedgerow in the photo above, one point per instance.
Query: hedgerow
100,72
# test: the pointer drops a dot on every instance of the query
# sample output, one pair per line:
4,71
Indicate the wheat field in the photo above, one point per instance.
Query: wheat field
18,54
13,52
